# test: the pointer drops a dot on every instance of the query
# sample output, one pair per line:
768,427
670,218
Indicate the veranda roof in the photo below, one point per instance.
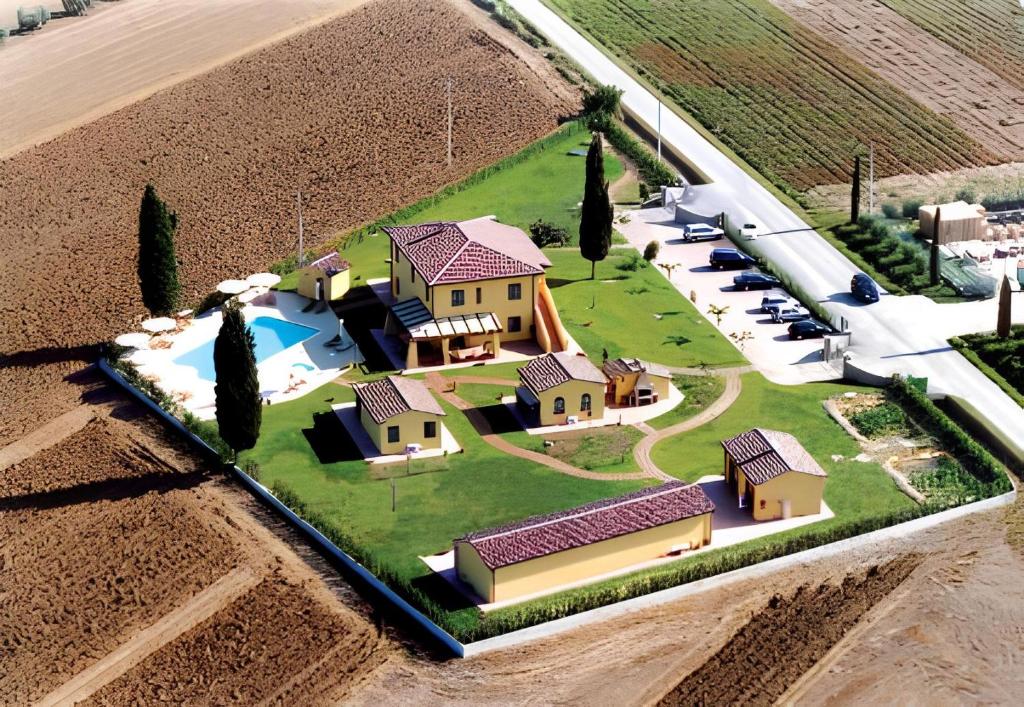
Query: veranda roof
417,320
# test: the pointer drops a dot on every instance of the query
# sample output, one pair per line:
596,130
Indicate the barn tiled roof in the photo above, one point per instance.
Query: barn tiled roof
330,264
467,251
602,520
622,366
552,369
387,397
764,454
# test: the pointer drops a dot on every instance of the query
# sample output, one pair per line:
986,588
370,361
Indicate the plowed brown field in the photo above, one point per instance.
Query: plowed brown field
352,112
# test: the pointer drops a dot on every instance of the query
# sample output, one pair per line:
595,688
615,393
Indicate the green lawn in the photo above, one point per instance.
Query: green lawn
698,392
616,312
477,489
853,488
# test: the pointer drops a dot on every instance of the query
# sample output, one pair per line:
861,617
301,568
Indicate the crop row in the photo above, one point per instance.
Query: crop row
790,103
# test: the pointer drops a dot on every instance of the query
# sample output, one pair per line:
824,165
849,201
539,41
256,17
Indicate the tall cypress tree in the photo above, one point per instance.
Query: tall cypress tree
1004,321
596,214
239,410
855,191
158,265
934,270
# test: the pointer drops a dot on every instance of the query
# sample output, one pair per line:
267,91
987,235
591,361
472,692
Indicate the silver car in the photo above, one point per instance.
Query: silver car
775,299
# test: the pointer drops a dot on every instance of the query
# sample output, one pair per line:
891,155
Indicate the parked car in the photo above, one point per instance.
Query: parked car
775,299
750,231
808,329
755,281
790,313
863,288
722,258
693,232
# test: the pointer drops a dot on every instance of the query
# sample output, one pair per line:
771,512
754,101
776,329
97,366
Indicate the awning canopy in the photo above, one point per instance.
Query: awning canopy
416,319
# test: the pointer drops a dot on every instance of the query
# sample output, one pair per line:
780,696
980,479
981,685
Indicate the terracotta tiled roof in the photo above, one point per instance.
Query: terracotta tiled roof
622,366
764,454
480,249
603,520
330,264
387,397
552,369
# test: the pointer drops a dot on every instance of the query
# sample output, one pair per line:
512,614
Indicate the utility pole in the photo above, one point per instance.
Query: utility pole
392,494
659,131
298,196
871,179
448,86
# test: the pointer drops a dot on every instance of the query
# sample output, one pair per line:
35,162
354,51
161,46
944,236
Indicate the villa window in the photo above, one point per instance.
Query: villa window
393,434
412,271
398,255
458,298
559,406
515,324
479,295
428,294
515,291
585,402
430,429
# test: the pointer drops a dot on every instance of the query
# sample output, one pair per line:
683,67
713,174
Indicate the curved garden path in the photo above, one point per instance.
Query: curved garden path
642,451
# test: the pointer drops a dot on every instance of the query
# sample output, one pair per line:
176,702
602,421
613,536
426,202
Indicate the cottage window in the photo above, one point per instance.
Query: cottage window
515,291
430,429
479,295
413,273
585,402
559,406
398,286
515,324
393,433
458,298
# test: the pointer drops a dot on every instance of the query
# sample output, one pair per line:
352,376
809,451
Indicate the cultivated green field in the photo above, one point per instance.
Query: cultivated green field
791,104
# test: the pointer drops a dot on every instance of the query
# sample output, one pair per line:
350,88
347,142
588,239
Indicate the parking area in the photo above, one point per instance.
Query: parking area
768,346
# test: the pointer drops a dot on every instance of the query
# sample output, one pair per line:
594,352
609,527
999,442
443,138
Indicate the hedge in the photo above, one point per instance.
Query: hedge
971,355
651,171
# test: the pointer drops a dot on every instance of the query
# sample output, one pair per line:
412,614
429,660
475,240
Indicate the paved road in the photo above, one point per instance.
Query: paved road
898,334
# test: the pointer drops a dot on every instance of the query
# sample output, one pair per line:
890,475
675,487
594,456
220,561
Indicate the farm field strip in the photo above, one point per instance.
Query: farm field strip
932,72
725,61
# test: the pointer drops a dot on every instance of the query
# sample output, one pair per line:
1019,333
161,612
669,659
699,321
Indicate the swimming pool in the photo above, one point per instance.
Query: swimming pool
270,334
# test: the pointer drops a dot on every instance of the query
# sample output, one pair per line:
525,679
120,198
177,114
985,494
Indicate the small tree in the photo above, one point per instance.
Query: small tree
717,312
651,251
601,105
237,391
596,213
544,234
855,191
157,264
1004,319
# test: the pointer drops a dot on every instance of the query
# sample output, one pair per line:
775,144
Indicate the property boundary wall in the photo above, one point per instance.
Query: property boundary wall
551,628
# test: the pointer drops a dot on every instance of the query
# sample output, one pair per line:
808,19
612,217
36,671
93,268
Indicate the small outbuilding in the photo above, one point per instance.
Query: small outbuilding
399,413
773,474
634,382
581,544
958,221
561,387
325,279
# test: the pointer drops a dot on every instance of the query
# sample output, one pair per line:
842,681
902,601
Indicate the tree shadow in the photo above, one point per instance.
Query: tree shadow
105,490
554,282
440,590
329,439
676,339
86,353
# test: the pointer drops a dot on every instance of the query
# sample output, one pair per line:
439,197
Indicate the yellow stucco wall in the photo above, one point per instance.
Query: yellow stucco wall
572,392
472,570
493,298
335,287
583,563
803,491
624,385
410,430
403,285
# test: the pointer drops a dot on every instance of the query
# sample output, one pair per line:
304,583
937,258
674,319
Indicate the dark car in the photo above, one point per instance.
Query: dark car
808,329
755,281
863,288
722,258
793,313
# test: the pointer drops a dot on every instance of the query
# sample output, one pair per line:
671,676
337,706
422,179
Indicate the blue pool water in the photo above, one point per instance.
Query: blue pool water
270,334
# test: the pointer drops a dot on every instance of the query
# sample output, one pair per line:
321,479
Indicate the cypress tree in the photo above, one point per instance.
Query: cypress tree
596,214
855,191
934,259
157,266
239,410
1003,321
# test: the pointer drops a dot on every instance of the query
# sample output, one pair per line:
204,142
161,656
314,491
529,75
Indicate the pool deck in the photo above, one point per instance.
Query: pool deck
283,376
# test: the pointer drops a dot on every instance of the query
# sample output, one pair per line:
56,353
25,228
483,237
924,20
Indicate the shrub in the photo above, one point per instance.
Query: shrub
911,207
891,210
487,5
544,234
651,170
603,100
966,194
645,191
632,263
886,419
651,251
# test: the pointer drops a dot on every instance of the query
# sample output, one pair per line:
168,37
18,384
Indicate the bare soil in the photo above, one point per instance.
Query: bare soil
351,112
934,73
